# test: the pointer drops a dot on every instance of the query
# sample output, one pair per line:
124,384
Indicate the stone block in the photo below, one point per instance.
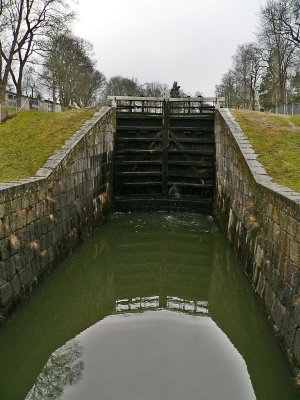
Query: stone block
26,275
43,224
291,273
31,214
25,202
16,286
297,313
2,230
19,261
276,232
21,217
11,268
276,215
29,254
4,249
288,329
294,251
39,209
2,210
261,285
286,296
269,297
292,227
36,268
6,294
51,254
3,273
277,313
297,346
44,260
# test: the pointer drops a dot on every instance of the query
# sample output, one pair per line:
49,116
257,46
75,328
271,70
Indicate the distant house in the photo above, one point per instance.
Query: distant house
30,103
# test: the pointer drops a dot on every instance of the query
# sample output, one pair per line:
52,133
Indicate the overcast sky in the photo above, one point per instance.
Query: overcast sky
190,41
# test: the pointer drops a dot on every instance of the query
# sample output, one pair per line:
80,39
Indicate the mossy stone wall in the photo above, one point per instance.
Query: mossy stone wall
261,220
43,218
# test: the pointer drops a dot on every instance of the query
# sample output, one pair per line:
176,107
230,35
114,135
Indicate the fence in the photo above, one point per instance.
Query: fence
14,104
7,110
292,109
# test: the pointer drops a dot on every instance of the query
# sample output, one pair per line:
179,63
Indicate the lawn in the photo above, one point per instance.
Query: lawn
276,140
30,138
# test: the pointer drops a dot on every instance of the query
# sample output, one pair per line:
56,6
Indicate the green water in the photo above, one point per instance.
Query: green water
152,307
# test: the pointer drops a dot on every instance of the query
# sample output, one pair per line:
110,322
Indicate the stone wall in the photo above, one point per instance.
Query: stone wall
43,218
261,220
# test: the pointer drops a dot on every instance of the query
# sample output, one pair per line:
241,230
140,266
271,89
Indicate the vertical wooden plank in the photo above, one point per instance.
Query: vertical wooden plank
165,146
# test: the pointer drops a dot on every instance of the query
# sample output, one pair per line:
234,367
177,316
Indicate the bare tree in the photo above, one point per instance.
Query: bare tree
90,87
23,23
248,65
227,89
63,369
155,89
70,73
121,86
31,82
288,13
277,49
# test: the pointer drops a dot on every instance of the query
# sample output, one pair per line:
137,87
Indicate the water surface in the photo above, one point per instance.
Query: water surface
153,306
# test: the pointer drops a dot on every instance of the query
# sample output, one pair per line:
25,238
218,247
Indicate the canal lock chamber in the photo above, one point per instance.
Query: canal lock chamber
154,304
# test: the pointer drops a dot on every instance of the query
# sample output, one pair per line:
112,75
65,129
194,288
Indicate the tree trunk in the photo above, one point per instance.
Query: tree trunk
19,85
2,92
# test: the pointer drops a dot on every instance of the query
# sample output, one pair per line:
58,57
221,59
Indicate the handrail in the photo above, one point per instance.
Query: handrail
171,99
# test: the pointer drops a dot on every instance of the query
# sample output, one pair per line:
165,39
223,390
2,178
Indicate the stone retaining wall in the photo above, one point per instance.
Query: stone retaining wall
43,218
261,220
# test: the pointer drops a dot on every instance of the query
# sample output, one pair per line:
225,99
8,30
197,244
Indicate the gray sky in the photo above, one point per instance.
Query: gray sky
189,41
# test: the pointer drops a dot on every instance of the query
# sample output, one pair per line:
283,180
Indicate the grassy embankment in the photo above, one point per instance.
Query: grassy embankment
30,138
276,140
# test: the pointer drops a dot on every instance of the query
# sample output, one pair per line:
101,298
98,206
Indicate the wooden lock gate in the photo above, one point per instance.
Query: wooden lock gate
164,154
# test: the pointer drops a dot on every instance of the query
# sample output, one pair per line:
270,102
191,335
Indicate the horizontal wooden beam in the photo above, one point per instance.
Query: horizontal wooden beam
138,139
193,185
137,162
202,129
138,128
193,140
200,152
159,139
138,151
143,173
202,163
141,183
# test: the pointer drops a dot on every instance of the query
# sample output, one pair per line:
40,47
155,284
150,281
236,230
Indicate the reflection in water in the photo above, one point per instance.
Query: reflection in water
133,264
141,304
160,355
64,368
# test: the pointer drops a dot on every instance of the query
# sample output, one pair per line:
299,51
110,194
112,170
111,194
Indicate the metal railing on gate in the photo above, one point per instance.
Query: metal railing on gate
154,105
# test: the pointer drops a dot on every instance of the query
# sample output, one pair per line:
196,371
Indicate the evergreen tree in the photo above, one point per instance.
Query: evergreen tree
175,91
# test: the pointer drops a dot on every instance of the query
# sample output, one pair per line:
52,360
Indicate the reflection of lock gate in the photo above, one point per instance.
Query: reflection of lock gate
140,304
162,144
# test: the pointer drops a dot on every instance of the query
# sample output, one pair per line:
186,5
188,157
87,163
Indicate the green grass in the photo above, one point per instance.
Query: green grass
30,138
276,140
